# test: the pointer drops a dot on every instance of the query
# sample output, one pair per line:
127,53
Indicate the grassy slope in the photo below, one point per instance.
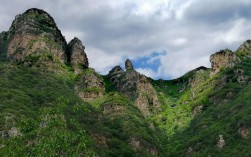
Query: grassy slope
35,101
225,109
54,121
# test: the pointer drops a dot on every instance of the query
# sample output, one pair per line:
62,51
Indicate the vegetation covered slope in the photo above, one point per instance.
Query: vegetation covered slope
40,113
211,118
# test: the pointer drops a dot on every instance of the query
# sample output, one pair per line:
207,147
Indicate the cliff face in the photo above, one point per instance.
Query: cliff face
34,33
76,55
223,59
135,86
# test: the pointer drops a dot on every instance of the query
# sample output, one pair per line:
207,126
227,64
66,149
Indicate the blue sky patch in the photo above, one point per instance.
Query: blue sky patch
151,62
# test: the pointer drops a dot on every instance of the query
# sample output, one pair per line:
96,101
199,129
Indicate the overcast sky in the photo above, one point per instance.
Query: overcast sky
163,38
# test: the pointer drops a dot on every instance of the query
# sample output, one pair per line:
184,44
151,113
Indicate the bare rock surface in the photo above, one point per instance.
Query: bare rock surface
222,59
34,33
76,55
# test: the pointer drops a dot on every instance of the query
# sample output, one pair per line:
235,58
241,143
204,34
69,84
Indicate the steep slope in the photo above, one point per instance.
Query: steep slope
209,115
35,107
222,128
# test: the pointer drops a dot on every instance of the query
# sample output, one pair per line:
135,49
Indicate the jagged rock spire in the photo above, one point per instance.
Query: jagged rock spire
76,53
128,65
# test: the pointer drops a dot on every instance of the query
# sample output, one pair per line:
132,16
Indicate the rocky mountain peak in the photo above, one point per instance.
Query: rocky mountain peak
76,55
34,33
128,65
222,59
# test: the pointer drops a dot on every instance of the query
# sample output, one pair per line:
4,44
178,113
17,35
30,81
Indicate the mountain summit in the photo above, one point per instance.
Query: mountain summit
53,103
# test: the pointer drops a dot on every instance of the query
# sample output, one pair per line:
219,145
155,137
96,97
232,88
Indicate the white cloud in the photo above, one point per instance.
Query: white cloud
148,72
102,62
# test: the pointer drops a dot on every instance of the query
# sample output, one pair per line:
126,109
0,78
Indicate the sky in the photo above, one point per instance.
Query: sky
163,38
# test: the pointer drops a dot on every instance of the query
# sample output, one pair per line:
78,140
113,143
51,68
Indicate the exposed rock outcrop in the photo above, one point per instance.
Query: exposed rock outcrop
140,145
243,131
90,85
34,33
14,132
136,86
221,142
76,55
100,140
112,110
222,59
128,65
147,100
245,49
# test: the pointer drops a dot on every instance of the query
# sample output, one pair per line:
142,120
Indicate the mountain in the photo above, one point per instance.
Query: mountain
54,104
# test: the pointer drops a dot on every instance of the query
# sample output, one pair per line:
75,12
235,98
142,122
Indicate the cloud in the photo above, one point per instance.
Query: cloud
188,31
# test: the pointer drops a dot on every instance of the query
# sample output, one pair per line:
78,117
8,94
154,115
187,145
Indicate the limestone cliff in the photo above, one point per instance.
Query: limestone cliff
76,55
222,59
136,86
34,33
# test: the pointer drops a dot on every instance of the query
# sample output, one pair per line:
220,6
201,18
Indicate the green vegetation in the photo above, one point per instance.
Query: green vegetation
51,118
226,111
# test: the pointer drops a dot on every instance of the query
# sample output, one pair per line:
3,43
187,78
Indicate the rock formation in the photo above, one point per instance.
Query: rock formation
76,55
128,65
147,100
35,33
135,86
89,85
221,142
245,49
139,145
222,59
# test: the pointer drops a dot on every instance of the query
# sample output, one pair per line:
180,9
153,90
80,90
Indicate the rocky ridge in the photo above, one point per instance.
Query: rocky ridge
135,86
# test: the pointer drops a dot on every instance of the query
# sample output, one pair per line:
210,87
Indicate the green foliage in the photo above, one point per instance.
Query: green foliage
109,86
32,101
226,110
